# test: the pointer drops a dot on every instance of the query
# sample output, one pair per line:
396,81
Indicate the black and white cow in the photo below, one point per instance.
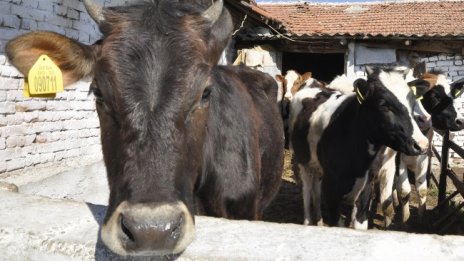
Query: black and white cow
335,138
438,101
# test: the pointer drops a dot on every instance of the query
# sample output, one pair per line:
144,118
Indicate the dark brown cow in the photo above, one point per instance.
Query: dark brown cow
180,134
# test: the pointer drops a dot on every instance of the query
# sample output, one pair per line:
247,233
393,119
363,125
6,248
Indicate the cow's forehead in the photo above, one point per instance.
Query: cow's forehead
443,81
398,86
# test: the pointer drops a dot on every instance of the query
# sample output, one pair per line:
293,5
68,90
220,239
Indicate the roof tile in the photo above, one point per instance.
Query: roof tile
416,18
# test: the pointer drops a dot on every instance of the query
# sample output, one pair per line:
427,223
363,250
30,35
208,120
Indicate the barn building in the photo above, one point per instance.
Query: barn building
329,39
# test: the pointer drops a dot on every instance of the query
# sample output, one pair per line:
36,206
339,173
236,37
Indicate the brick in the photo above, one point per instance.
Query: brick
72,33
11,21
31,105
5,8
59,21
442,57
82,26
2,166
2,143
2,96
15,164
84,37
433,58
15,119
444,63
30,3
3,123
25,12
58,106
7,107
19,141
39,158
13,153
28,24
17,130
15,95
60,10
46,6
458,62
73,14
45,26
47,126
32,116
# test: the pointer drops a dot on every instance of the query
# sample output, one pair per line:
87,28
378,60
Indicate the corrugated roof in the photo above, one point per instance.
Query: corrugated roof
443,18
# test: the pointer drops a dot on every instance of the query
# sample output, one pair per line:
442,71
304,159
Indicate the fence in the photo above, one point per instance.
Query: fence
447,217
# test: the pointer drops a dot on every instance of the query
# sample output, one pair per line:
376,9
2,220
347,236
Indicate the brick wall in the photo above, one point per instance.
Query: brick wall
44,132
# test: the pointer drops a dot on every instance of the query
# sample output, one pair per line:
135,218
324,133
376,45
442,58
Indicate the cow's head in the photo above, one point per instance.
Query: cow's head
388,104
439,100
152,81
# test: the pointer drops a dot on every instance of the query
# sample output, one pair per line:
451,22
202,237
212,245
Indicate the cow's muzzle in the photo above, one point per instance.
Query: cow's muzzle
148,229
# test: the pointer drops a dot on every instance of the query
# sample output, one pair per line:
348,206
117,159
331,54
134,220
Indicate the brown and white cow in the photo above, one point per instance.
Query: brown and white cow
289,85
180,134
335,138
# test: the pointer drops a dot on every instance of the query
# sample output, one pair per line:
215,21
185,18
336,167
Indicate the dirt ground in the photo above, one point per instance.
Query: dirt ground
288,205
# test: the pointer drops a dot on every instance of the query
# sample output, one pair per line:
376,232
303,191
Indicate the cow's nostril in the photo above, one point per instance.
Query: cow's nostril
125,229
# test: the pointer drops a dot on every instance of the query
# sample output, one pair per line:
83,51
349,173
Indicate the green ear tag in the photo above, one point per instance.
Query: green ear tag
44,78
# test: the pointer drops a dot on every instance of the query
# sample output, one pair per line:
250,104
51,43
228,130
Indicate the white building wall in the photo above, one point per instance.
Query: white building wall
44,132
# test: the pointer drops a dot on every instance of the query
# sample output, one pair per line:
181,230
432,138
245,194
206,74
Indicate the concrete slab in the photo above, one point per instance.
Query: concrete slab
40,228
86,183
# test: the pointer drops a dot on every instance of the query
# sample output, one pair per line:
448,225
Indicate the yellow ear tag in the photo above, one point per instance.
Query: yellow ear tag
458,93
359,96
44,79
414,91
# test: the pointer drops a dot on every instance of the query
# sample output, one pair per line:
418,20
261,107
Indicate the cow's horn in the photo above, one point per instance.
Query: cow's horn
95,11
214,11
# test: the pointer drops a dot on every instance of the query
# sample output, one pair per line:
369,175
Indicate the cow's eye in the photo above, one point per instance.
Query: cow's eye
206,93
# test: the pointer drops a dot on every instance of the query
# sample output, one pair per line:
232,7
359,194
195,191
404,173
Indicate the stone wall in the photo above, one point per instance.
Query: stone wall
38,132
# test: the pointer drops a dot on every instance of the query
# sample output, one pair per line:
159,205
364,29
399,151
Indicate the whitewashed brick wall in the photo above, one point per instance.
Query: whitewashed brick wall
33,131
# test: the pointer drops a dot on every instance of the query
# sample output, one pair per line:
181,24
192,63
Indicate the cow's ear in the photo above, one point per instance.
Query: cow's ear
419,69
457,88
419,87
361,88
279,78
306,76
75,60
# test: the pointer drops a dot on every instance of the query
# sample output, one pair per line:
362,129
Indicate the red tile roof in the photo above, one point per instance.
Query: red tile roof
405,19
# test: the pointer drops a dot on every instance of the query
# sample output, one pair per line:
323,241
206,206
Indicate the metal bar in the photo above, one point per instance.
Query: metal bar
444,167
434,179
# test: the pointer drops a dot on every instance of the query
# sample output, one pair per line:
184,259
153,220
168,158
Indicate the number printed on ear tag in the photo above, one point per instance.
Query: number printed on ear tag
44,79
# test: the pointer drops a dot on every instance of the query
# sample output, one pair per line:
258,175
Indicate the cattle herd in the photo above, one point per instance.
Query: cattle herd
183,136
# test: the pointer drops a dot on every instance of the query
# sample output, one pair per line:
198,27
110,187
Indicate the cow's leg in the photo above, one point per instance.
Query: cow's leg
316,200
420,173
307,186
404,189
386,178
333,198
360,216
